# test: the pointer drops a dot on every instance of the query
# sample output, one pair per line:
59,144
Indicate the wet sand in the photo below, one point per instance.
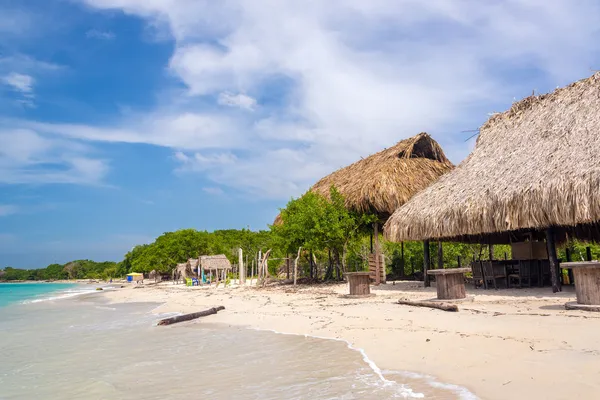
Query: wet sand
505,344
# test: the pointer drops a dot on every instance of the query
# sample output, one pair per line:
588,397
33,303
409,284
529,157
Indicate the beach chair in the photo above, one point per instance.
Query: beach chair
492,273
524,273
188,282
477,271
195,282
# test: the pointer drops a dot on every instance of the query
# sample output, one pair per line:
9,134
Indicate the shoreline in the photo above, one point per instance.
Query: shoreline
517,343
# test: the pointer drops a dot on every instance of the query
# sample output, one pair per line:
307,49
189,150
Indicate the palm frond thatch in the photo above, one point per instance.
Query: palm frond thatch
533,166
215,262
384,181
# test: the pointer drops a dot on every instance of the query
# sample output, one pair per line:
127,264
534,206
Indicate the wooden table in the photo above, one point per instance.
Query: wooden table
359,283
450,283
586,275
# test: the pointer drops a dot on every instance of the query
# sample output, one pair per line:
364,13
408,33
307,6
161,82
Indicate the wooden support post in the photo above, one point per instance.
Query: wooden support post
440,256
588,253
296,265
459,263
371,235
551,246
377,257
287,266
491,251
570,271
259,265
426,261
242,268
402,258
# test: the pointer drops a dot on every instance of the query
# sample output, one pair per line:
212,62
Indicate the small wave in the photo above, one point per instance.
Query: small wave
405,392
61,295
462,392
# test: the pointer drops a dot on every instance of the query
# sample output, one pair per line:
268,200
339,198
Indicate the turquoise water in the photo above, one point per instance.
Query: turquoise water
20,292
55,348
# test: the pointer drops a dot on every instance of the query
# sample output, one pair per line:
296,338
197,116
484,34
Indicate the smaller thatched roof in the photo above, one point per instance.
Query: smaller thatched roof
386,180
183,270
215,262
534,166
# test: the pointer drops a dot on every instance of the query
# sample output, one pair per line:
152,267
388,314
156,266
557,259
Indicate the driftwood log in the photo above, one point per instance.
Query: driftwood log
430,304
189,317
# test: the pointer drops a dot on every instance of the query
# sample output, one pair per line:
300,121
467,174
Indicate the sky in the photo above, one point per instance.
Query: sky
124,119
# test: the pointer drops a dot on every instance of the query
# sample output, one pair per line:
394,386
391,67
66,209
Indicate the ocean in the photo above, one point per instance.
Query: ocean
69,343
20,292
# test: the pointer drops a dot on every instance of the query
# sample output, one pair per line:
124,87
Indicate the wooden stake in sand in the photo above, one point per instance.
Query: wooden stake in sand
430,304
189,317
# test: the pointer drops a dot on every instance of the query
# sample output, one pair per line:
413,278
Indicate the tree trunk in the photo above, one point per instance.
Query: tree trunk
296,265
336,254
430,304
329,270
189,317
440,256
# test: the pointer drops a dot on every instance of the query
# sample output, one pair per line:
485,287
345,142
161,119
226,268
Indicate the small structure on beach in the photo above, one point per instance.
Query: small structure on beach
386,180
217,264
135,277
534,174
182,271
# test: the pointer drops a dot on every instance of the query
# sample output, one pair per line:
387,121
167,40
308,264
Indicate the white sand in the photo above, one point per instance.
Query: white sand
506,344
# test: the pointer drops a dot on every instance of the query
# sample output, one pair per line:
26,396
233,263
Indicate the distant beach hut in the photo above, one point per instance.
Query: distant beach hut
134,277
182,271
534,173
220,264
386,180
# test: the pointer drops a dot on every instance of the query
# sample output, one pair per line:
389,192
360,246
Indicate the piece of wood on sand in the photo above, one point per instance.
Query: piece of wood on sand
430,304
189,317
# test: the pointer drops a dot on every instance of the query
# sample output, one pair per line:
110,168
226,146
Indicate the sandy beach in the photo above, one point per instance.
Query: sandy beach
505,344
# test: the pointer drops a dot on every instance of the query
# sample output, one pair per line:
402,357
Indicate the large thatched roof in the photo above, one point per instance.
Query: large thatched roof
215,262
534,166
384,181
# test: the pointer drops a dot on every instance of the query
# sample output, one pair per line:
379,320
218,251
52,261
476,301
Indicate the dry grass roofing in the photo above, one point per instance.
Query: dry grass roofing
534,166
384,181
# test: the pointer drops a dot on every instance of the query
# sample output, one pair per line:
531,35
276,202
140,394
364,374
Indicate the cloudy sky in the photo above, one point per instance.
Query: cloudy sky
123,119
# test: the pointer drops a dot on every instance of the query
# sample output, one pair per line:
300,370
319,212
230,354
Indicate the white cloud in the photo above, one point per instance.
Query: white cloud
334,93
98,34
8,209
23,84
237,100
28,157
215,191
20,82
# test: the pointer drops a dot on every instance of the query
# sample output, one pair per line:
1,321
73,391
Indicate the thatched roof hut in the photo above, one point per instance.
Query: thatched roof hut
384,181
534,166
183,270
218,262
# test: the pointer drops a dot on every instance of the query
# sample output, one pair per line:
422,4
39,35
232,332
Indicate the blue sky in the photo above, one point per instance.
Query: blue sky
123,119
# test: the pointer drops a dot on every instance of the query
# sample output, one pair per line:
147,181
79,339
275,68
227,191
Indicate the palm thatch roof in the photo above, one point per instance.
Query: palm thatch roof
386,180
534,166
183,270
215,262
